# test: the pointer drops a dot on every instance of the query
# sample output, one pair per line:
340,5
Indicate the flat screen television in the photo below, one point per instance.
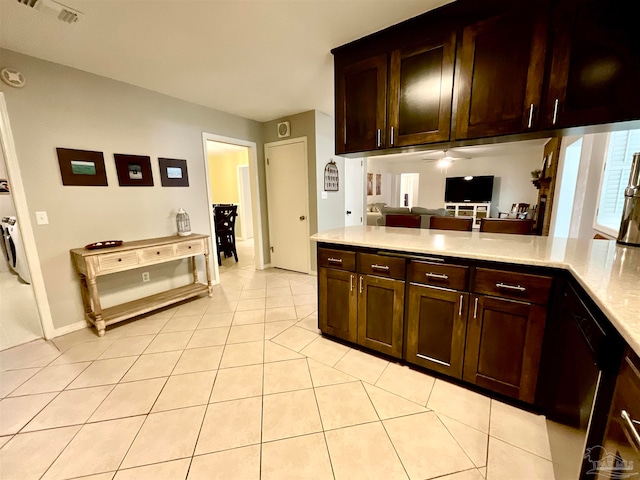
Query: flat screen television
469,189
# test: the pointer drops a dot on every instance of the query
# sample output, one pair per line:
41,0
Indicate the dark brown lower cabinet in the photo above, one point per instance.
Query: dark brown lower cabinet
380,314
436,328
504,342
338,304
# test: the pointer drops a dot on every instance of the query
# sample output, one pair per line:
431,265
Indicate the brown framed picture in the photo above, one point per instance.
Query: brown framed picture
82,167
173,172
4,186
133,170
378,184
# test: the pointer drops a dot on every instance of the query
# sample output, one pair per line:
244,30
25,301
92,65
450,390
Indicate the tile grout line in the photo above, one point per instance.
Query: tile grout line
324,432
458,443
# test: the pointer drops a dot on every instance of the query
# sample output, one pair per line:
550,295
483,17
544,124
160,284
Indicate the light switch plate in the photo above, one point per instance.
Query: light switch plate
42,218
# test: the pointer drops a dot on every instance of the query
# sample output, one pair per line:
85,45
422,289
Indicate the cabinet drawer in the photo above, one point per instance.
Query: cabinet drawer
189,248
337,259
518,286
449,276
114,261
152,254
381,265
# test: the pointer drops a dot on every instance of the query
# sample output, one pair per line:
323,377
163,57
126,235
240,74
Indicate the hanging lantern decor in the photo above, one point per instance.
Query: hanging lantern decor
184,225
331,177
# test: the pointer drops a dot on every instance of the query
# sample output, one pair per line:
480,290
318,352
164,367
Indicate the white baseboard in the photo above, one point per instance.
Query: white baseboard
70,328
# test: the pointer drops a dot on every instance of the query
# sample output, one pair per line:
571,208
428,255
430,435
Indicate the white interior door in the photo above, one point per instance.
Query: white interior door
288,203
244,194
353,192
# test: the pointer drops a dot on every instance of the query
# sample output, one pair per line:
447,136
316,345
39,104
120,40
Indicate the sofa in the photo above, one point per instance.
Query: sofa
376,213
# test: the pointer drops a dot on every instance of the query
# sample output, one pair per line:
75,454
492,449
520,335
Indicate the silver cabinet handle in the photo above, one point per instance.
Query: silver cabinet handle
378,138
384,268
334,260
460,309
555,111
475,309
634,433
437,276
530,124
361,280
392,136
519,288
351,283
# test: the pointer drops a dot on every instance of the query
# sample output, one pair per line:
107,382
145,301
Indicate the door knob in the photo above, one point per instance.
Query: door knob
348,212
302,217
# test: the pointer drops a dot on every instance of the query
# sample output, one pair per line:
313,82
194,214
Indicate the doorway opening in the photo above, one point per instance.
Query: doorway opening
232,180
570,166
409,187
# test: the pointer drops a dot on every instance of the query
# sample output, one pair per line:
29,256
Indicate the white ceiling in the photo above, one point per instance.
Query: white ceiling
259,59
522,148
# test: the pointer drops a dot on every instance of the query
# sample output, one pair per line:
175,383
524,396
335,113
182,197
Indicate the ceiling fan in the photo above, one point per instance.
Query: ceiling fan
447,159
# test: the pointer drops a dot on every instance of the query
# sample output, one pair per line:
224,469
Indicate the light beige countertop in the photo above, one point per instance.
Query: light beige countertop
609,273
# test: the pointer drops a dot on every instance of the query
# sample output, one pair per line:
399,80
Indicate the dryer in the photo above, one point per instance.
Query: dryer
15,249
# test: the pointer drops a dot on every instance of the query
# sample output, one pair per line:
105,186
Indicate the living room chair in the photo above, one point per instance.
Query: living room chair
407,221
224,218
506,225
451,223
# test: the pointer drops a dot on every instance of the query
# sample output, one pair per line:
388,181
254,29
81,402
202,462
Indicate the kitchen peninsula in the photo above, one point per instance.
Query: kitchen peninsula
543,321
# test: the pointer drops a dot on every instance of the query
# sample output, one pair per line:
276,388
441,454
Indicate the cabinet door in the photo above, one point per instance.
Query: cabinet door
361,99
504,341
420,90
595,66
436,328
338,303
500,76
380,313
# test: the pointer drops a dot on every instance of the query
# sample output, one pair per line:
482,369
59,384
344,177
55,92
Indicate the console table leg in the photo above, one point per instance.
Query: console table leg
97,309
194,269
208,270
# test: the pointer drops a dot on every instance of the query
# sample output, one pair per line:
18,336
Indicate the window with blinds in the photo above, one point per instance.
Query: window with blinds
620,149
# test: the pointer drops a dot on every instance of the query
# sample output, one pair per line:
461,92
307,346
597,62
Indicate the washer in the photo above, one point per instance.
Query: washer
18,259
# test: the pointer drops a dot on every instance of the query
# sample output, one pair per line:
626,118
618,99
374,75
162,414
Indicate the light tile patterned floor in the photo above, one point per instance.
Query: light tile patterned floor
241,386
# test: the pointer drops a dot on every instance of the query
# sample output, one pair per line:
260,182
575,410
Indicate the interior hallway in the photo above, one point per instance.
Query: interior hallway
242,386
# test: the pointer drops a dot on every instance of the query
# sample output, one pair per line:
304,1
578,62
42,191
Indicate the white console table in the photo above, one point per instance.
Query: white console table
91,264
473,210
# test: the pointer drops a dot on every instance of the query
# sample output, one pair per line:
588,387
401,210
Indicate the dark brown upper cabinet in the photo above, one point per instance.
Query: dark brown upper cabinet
595,64
361,105
500,74
420,90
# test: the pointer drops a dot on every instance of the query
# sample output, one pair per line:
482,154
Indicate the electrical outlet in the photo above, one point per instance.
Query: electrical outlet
145,277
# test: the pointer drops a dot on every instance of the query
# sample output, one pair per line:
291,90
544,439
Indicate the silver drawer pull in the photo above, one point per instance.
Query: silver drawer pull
437,276
475,308
334,260
384,268
351,283
460,309
506,286
627,418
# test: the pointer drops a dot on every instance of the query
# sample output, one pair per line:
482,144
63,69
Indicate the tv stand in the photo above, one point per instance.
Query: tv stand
473,210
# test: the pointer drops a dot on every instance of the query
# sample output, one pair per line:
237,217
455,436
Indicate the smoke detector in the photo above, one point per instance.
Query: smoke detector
54,9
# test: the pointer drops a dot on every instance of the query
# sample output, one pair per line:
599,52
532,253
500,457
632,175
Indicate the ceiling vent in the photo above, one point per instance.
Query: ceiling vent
54,9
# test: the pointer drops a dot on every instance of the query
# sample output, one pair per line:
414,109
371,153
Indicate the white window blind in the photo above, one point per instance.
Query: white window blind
622,145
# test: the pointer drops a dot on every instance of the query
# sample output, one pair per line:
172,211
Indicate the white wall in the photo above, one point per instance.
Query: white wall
64,107
512,183
331,209
378,165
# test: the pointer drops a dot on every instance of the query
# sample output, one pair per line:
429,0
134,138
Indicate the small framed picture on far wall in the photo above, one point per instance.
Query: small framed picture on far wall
133,170
173,172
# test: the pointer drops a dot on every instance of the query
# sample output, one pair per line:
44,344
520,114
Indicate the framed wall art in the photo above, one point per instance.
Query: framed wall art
82,167
369,183
133,170
4,186
378,184
173,173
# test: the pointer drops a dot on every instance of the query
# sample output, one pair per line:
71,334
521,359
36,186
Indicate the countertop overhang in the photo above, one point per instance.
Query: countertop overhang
608,272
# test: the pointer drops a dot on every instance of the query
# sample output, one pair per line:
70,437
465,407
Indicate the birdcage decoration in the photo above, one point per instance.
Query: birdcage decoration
331,177
183,223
